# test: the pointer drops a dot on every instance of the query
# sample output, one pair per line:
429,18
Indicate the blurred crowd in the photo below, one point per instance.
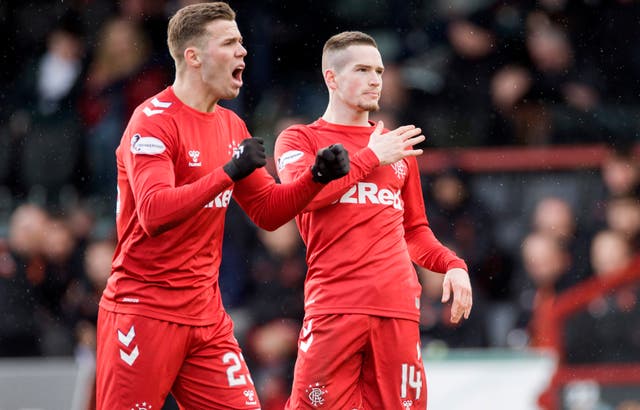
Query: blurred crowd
470,73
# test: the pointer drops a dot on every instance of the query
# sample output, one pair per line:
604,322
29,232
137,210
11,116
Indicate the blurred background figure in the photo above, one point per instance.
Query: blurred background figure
436,330
555,216
463,223
23,271
547,263
121,74
277,271
610,318
620,177
610,252
623,216
43,138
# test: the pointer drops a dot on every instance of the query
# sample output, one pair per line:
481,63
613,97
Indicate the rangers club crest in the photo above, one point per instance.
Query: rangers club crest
400,168
316,393
234,149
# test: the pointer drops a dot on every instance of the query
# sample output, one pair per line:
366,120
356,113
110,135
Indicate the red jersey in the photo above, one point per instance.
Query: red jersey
362,231
172,199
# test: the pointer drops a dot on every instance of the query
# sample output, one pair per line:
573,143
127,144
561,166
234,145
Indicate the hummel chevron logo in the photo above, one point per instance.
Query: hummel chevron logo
307,330
161,104
149,112
126,340
131,357
156,103
304,345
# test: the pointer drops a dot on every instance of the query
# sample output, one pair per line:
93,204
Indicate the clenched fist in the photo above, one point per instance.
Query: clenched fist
332,162
249,156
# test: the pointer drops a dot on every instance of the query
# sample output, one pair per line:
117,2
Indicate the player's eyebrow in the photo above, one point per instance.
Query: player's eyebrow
368,66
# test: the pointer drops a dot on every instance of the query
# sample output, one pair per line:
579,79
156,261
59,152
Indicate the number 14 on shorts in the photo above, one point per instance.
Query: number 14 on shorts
410,379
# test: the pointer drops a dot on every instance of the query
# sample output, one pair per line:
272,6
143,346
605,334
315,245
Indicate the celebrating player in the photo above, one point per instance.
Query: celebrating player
359,347
162,326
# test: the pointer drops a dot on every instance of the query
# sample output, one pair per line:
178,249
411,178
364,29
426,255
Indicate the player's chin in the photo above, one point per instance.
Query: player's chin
231,93
370,106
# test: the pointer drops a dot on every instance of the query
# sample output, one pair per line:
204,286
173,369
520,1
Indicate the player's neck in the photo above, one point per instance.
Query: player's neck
194,95
345,116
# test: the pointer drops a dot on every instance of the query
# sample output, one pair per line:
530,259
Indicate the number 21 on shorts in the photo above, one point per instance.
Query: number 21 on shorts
233,376
410,379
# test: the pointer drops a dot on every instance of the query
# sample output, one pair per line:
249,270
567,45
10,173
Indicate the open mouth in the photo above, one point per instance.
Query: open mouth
237,74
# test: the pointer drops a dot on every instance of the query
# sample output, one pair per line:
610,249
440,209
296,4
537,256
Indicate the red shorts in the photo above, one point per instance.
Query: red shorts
358,362
140,360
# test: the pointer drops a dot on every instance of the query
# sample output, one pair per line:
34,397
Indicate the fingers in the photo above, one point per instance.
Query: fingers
379,128
403,129
328,155
461,293
336,148
415,140
446,290
456,308
331,163
462,303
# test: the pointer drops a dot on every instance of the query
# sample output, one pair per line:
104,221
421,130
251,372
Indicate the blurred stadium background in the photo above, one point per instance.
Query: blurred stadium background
531,111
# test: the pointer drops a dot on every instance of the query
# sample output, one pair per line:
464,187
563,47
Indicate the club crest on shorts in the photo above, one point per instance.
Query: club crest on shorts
316,393
407,404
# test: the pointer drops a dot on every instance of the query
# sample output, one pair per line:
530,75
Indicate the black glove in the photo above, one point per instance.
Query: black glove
332,163
249,156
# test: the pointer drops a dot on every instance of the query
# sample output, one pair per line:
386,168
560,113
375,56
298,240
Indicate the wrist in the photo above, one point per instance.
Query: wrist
317,175
231,169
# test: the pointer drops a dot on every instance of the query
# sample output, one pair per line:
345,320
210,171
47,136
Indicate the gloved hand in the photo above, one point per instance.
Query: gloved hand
249,156
332,162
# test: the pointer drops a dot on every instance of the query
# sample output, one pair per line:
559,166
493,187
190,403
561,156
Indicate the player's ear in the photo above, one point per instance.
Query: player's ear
192,56
330,79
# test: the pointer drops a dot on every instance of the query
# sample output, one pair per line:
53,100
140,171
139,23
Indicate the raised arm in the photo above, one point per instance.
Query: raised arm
295,150
160,205
270,205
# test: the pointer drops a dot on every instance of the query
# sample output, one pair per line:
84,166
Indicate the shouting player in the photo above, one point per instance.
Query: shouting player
162,326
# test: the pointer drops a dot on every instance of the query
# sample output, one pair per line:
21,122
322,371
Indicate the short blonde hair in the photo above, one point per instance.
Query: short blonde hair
189,24
343,40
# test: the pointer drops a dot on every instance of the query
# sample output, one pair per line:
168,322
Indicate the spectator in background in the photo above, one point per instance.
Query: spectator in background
555,216
550,85
475,55
45,137
623,216
620,171
63,267
465,225
276,303
81,299
620,177
609,315
436,330
546,262
22,271
121,75
610,252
